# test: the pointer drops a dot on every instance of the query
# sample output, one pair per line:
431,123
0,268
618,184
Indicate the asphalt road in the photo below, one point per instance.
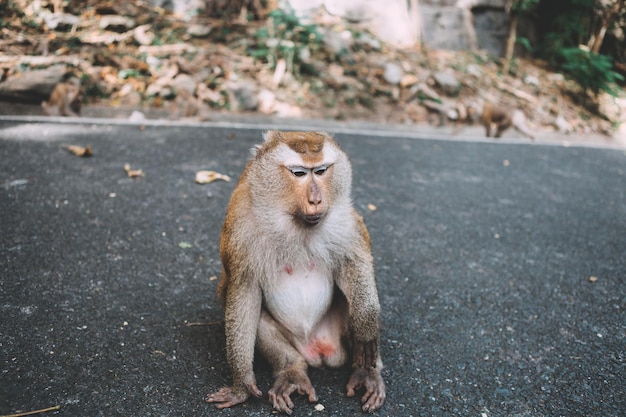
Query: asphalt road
501,270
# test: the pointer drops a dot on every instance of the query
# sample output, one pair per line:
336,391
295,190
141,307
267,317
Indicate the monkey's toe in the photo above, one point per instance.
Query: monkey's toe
227,397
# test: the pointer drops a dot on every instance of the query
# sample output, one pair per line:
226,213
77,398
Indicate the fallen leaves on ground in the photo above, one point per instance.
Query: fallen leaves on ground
206,177
82,151
133,173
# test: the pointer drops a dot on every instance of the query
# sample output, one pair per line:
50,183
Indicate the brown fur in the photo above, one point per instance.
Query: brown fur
503,117
65,99
282,242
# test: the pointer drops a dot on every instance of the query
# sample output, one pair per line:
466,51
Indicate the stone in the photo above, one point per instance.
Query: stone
184,82
408,80
337,43
142,36
392,73
563,125
242,96
447,81
198,30
33,85
267,99
116,23
368,42
60,21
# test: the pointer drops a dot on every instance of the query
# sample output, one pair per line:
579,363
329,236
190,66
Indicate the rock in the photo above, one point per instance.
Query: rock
334,76
116,23
32,86
184,82
474,70
447,27
142,36
242,96
153,90
392,73
368,42
287,110
448,83
304,54
266,101
137,117
205,94
531,80
337,43
60,21
408,80
563,125
198,30
417,113
423,91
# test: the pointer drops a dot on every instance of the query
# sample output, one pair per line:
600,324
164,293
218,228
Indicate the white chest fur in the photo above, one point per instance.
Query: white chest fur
299,297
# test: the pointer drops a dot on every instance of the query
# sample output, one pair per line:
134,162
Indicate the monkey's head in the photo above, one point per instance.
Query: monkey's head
305,176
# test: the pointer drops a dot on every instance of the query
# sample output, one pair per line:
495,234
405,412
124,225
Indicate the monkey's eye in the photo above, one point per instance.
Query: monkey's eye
298,172
320,170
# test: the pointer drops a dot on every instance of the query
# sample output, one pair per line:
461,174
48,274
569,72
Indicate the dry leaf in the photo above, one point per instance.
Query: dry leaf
506,162
205,177
83,151
593,279
372,207
133,173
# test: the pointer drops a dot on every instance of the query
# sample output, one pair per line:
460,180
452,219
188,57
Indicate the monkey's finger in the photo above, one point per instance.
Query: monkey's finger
308,391
282,402
374,402
254,390
354,384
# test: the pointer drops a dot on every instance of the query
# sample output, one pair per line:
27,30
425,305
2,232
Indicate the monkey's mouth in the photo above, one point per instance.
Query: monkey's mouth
311,220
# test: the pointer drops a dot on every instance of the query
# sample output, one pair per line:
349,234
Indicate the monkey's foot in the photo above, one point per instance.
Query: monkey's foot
229,396
374,386
287,382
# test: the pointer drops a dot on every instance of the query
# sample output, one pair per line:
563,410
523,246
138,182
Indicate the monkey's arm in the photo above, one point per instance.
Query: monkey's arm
358,284
242,314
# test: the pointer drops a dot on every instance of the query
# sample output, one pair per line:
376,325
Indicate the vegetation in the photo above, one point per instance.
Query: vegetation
284,37
572,37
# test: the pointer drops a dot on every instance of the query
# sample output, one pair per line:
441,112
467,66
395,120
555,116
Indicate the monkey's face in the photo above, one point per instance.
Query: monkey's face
310,172
309,187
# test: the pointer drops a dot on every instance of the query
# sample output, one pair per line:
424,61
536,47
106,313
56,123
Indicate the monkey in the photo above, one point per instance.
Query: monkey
297,279
65,99
503,117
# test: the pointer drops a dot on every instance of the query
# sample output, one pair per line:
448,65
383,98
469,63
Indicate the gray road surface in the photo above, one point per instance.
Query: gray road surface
501,269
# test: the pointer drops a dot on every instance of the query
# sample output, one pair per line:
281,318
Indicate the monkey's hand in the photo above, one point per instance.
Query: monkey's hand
367,375
374,386
287,382
229,396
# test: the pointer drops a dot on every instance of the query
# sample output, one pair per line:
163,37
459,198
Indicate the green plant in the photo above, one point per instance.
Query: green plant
592,72
284,37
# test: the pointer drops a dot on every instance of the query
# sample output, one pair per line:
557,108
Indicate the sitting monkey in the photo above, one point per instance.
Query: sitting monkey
297,274
65,99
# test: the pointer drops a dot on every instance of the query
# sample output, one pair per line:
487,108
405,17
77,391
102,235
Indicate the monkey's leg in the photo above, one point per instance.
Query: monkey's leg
487,129
288,364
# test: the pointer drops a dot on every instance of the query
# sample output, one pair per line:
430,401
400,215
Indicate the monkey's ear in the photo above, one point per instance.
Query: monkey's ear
269,135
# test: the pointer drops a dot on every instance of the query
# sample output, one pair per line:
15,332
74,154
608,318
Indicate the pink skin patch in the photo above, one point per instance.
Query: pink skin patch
320,348
289,269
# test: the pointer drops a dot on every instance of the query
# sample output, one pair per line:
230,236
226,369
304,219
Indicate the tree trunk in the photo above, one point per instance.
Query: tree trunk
595,43
510,44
